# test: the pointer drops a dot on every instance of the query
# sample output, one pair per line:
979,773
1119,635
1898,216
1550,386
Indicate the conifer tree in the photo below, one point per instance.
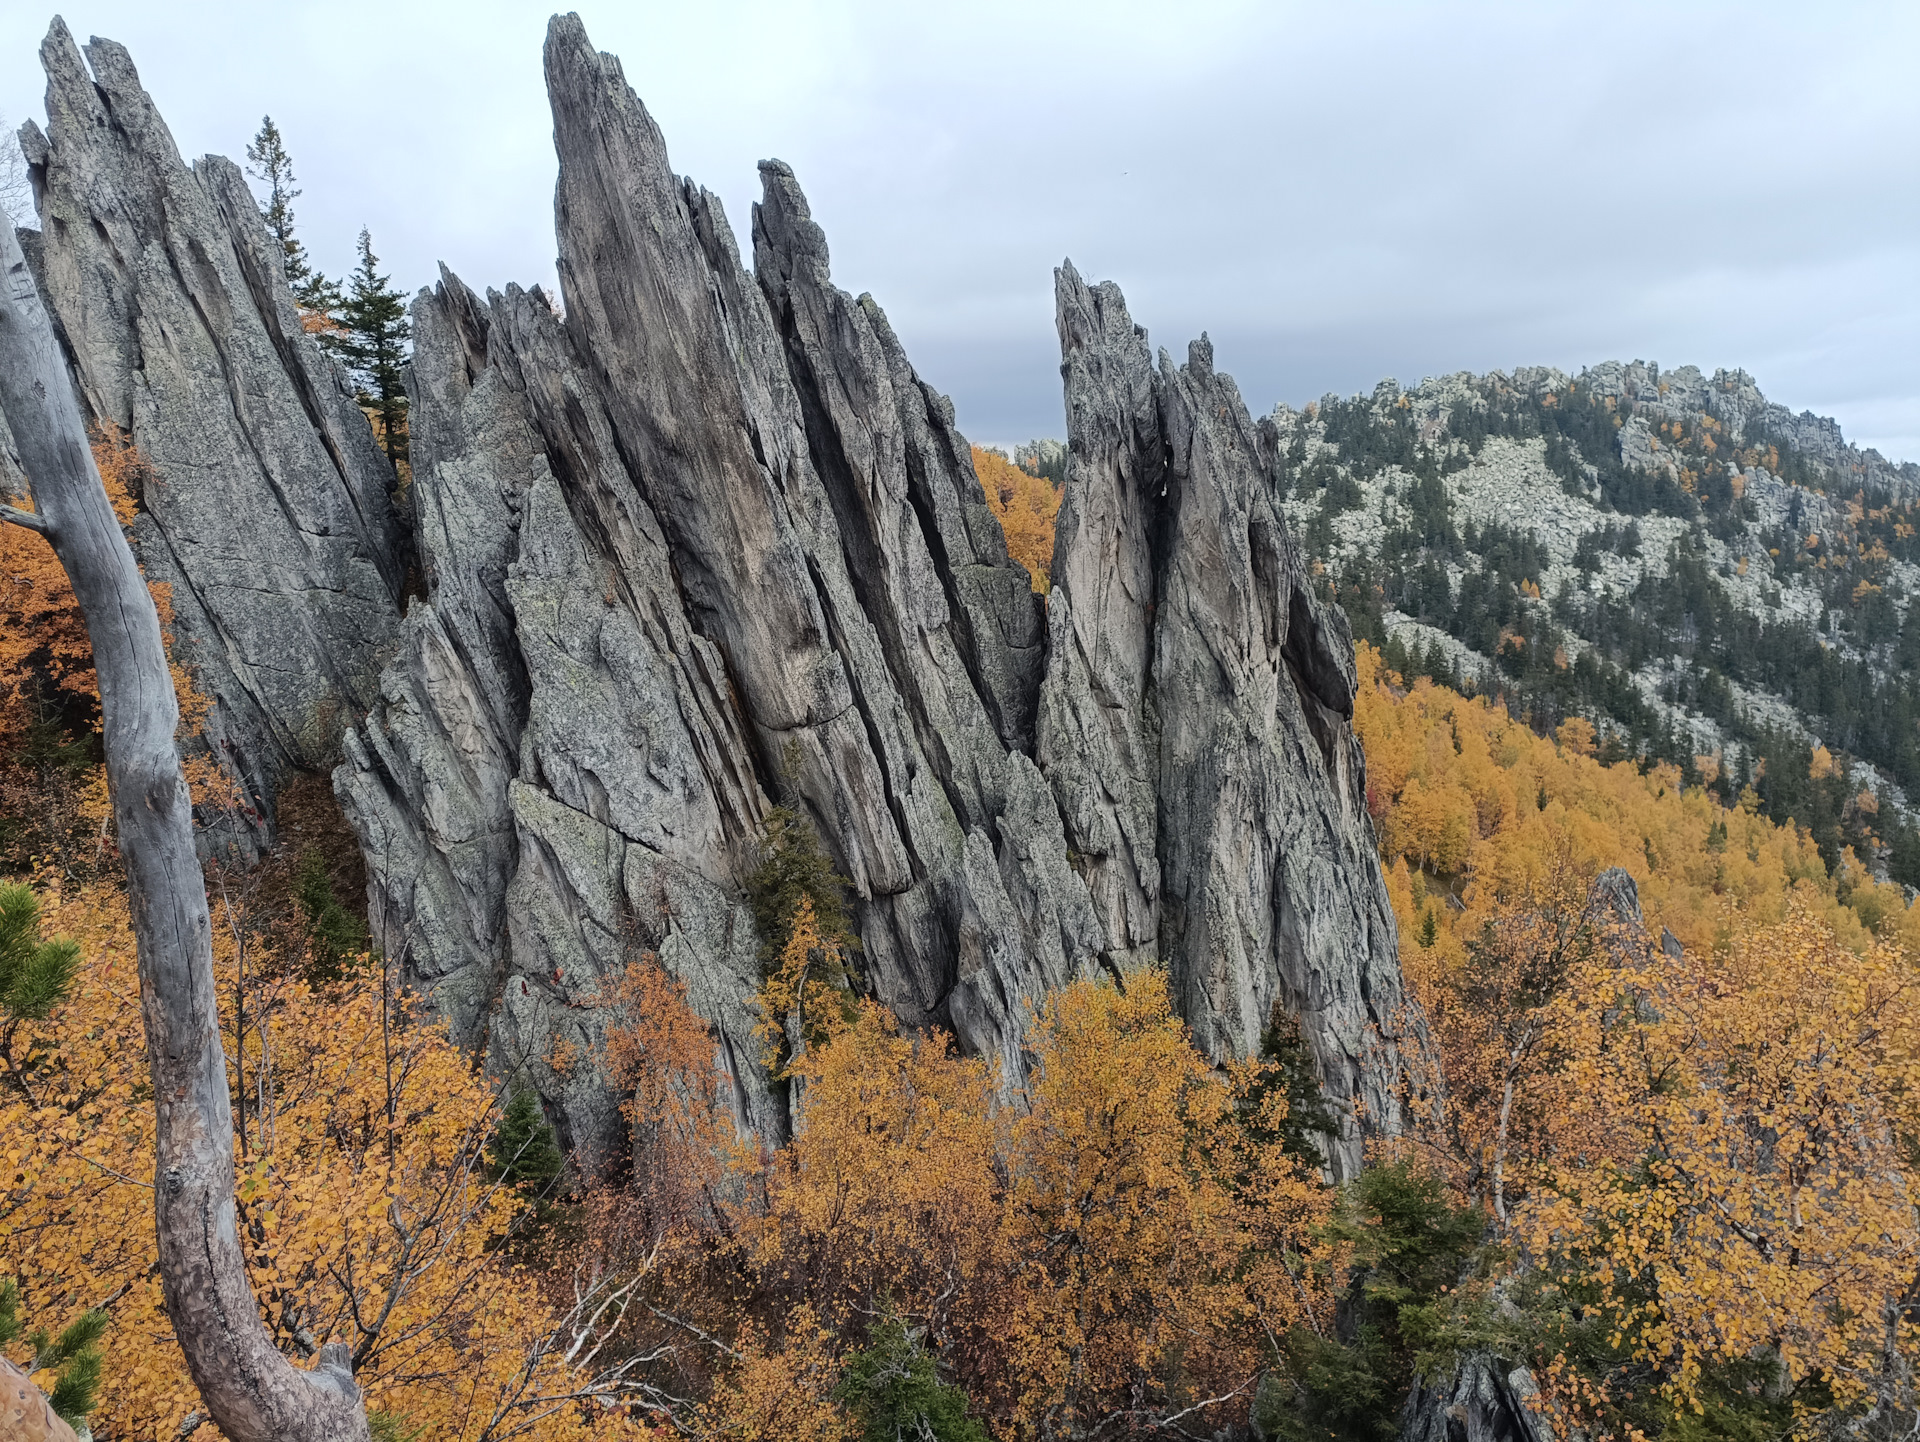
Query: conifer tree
269,163
35,977
375,346
523,1153
893,1388
73,1356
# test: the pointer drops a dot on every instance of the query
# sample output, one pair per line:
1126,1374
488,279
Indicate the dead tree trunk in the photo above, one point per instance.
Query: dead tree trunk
252,1391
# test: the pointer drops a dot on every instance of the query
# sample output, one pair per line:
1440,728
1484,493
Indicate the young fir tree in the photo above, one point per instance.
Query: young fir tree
1310,1122
334,934
35,975
523,1153
893,1388
269,163
375,346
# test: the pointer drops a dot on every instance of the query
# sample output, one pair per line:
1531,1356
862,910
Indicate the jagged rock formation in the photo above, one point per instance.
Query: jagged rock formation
1194,715
708,543
269,512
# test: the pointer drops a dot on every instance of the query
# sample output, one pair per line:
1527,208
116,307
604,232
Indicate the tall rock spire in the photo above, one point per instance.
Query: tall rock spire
1195,721
268,512
710,543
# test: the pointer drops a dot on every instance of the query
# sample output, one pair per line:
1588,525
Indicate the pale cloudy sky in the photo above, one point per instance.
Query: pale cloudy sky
1338,192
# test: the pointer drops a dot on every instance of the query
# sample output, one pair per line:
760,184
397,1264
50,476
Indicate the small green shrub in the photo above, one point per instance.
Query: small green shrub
334,934
893,1387
795,866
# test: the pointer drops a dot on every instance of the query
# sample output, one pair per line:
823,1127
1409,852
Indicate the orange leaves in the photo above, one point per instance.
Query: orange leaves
663,1054
1142,1222
1750,1173
803,1000
42,635
781,1393
1102,1249
1027,507
1710,1144
365,1217
889,1183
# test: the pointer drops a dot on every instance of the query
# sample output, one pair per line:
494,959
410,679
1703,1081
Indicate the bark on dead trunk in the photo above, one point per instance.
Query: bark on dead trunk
250,1389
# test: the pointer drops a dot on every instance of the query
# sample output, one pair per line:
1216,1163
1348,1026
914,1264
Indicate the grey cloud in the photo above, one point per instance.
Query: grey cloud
1335,193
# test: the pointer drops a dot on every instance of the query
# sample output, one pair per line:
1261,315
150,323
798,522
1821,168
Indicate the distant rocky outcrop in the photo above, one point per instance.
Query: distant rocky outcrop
707,543
1698,571
269,512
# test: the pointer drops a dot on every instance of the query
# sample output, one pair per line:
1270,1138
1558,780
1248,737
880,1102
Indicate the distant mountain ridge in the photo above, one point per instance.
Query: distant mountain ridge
1713,579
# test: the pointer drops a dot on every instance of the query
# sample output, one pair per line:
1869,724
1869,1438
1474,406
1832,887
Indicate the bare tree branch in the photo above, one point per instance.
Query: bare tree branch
16,517
252,1391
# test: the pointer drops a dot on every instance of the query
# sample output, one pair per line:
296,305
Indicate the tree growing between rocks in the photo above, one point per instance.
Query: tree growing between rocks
375,347
317,296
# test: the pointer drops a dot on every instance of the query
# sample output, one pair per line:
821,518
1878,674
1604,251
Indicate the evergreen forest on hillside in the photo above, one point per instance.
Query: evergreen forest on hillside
1854,674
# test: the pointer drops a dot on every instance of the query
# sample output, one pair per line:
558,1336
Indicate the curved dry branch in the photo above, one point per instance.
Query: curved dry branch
252,1391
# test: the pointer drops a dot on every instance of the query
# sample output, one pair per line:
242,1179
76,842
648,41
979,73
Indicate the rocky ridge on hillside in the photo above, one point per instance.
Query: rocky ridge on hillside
709,545
1712,579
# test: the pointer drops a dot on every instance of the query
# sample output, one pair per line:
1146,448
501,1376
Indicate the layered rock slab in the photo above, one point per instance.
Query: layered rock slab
267,510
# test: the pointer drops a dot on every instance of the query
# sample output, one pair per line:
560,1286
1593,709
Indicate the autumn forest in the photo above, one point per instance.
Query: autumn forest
1672,1178
1644,1166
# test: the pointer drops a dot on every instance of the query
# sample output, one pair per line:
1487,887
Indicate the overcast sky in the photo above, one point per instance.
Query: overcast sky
1337,192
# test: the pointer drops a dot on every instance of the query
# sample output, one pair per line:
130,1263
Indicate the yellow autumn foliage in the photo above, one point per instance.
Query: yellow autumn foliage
1703,1151
1027,506
1474,809
365,1213
1743,1184
1108,1245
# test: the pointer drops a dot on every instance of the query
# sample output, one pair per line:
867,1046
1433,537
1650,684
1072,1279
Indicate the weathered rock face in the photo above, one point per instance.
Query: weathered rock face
1194,719
268,510
710,541
1482,1399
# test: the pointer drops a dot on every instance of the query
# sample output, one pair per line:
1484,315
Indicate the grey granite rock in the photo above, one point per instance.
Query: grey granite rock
745,554
553,783
958,626
1482,1398
268,508
427,770
707,541
816,502
1195,720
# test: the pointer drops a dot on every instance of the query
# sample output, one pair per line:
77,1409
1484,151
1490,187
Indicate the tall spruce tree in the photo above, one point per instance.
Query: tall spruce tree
269,163
375,346
523,1153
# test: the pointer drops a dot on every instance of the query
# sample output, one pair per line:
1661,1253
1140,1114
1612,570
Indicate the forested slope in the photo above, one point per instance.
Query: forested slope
1713,581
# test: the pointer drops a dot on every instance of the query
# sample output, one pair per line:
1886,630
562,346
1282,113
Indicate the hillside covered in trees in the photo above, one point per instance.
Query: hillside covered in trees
925,1246
1710,579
